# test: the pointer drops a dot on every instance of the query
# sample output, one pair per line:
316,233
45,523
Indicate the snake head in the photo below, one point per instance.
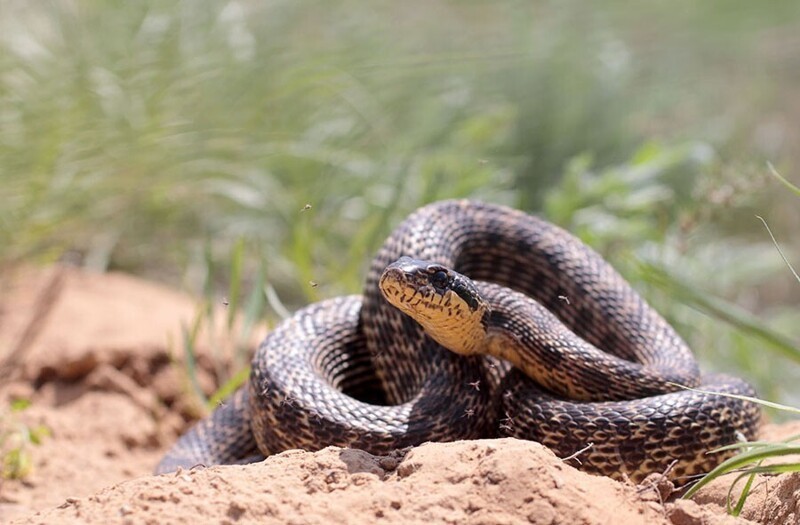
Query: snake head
446,303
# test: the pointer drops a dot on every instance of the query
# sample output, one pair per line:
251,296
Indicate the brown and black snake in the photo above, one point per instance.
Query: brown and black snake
596,369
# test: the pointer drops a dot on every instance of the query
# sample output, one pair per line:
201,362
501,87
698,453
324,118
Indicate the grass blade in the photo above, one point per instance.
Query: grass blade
235,283
762,402
228,388
782,179
777,247
719,309
743,460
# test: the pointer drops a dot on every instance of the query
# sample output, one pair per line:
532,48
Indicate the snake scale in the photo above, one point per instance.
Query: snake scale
600,365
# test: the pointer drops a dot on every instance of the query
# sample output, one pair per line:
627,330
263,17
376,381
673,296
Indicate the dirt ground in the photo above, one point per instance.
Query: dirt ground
98,358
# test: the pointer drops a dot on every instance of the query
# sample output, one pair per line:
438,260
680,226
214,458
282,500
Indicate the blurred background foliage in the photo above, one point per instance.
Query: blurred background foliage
266,148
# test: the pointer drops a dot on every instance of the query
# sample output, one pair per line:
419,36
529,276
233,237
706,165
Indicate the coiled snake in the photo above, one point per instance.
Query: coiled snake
360,371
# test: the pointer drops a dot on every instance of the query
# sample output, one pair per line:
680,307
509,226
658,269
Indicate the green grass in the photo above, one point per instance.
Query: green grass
183,142
16,440
750,461
230,339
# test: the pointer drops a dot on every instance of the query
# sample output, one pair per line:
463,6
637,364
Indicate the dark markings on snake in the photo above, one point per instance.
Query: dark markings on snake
377,382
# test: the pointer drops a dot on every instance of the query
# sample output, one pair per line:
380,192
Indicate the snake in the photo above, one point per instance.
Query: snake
480,321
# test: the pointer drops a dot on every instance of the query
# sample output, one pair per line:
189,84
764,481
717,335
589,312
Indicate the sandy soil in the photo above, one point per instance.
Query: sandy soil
98,358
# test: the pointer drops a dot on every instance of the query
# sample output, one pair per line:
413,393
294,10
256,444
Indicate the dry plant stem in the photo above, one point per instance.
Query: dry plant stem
42,308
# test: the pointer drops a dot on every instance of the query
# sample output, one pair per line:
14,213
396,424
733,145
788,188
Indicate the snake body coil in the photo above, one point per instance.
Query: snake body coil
358,372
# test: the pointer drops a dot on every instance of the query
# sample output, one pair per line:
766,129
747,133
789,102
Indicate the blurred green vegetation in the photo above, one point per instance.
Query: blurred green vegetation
16,440
227,146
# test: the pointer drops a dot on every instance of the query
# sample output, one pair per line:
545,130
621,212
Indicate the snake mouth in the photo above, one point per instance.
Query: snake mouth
424,285
406,285
445,303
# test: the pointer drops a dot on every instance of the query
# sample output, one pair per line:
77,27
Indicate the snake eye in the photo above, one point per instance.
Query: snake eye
439,280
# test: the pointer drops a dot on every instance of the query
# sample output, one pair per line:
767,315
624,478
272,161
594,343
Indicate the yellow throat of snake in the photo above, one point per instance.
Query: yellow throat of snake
446,303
